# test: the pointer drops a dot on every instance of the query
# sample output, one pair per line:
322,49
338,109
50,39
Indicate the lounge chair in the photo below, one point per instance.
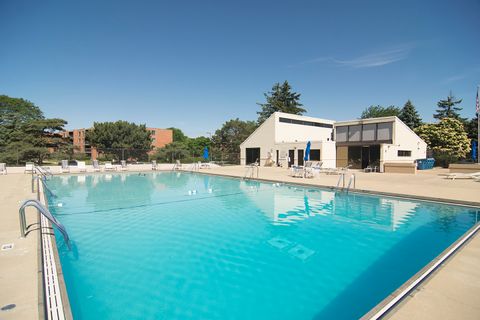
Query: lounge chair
461,175
96,166
177,165
123,165
81,166
154,165
29,167
109,166
296,171
339,170
65,166
308,171
3,168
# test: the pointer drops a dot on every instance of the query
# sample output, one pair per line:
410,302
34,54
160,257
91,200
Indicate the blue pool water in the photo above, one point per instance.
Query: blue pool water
150,247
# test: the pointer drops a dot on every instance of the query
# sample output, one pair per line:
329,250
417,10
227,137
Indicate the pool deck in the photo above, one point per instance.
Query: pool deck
453,291
19,267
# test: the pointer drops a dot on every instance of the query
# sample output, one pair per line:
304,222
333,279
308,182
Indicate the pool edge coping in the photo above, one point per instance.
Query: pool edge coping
65,301
394,300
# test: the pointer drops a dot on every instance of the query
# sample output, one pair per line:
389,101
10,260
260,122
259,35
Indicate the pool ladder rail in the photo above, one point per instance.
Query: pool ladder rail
351,180
251,170
46,213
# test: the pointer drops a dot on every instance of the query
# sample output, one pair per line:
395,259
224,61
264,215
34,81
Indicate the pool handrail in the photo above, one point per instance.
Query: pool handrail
46,213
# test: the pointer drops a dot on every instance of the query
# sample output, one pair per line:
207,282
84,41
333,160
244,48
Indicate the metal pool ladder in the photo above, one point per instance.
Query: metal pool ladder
44,211
250,172
351,180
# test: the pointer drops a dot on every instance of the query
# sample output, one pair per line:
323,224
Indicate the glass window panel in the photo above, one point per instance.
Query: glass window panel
369,132
384,131
354,133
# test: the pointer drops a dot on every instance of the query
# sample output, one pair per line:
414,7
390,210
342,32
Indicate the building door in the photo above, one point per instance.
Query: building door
278,158
291,157
252,155
342,157
365,157
300,157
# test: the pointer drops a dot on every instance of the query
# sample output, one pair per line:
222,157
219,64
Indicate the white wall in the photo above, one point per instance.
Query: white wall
263,137
274,135
328,154
404,139
289,132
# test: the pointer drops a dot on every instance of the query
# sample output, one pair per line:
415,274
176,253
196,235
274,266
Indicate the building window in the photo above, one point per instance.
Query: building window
315,155
306,123
404,153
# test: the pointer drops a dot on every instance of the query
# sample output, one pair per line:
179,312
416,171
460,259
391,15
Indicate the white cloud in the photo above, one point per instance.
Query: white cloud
370,60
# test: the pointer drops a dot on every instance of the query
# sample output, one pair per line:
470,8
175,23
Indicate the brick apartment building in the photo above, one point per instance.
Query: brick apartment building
160,138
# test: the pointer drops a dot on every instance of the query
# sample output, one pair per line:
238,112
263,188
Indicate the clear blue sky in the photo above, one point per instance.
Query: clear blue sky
196,64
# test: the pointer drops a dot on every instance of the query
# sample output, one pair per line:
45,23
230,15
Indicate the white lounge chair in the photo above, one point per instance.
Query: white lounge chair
109,166
308,170
3,168
81,166
296,171
65,166
96,166
154,165
29,167
123,165
461,175
177,165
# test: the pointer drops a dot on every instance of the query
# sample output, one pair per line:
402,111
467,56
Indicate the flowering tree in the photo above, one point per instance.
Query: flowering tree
447,138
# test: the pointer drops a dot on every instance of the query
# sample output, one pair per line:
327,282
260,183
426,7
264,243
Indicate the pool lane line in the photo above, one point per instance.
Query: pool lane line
156,204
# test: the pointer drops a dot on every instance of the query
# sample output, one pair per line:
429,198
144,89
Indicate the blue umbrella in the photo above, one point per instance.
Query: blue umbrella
474,150
205,153
307,152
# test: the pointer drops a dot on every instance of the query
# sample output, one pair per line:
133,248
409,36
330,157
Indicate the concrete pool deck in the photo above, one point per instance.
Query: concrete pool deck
452,292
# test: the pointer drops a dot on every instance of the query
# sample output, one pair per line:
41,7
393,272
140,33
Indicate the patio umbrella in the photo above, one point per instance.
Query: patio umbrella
307,152
205,153
474,150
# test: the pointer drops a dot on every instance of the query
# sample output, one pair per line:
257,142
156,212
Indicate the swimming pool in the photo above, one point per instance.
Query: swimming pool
171,245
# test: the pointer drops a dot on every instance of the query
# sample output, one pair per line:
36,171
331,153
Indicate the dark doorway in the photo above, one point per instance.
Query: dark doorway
300,157
252,155
278,159
365,157
291,157
362,157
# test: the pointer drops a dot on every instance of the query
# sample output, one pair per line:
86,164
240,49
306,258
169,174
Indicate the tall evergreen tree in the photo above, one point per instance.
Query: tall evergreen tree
447,108
281,99
410,116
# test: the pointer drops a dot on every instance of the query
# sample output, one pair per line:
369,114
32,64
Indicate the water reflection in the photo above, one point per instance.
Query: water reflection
285,205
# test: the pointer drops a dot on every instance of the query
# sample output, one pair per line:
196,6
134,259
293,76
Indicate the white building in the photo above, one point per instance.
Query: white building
376,141
283,137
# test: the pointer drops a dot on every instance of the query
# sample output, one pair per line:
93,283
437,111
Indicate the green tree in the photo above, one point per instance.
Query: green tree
121,139
196,145
410,116
448,108
228,138
471,126
280,99
447,139
178,135
173,151
25,134
379,111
